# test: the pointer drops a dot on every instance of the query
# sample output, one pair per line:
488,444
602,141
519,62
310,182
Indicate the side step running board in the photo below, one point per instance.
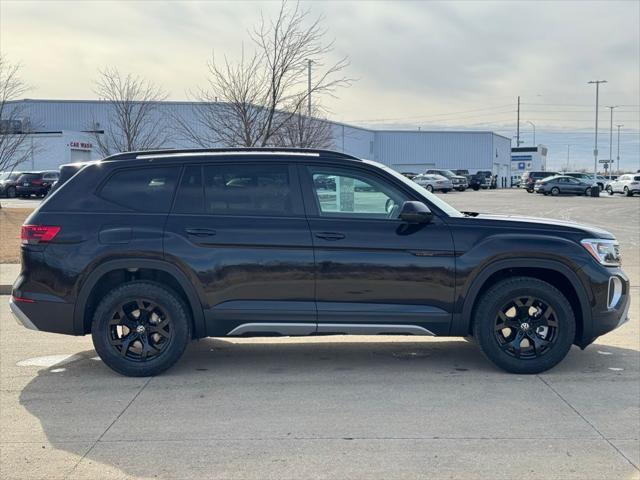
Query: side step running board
294,329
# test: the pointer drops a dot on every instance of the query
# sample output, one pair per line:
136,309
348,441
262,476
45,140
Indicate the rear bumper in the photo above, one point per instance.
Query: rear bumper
38,190
20,316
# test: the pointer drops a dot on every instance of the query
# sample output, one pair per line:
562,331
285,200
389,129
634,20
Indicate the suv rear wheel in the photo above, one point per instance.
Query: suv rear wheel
140,329
524,325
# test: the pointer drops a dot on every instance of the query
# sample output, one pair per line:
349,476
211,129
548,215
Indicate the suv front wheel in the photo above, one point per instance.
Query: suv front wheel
524,325
140,329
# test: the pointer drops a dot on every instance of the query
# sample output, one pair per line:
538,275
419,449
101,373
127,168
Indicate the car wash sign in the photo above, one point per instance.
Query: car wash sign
74,145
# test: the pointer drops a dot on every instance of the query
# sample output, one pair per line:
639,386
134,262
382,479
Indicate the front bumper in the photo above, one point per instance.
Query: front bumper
608,309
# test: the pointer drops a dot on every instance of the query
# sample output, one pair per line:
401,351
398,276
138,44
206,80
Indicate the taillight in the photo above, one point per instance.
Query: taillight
36,181
35,234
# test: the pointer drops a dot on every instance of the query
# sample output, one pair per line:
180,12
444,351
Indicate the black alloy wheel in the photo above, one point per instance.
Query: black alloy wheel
141,328
526,327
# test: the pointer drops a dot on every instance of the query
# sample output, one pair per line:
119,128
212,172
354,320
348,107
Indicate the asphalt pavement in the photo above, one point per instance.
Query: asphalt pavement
332,407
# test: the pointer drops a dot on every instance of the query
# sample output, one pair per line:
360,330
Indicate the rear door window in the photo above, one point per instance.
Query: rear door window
147,189
249,189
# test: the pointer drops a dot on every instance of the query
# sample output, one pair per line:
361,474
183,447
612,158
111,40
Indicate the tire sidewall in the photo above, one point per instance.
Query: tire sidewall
167,300
497,297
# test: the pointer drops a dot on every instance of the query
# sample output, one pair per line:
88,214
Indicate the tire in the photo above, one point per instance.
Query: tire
475,188
501,349
11,192
610,190
445,190
430,188
529,190
627,192
141,358
555,191
461,189
587,192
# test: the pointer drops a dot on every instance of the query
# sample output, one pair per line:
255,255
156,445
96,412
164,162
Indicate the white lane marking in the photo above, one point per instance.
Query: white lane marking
616,369
49,360
604,353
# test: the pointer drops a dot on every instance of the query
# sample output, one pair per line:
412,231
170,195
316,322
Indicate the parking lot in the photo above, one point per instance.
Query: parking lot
333,407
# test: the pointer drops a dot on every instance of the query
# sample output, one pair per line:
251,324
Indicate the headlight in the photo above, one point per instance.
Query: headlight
606,252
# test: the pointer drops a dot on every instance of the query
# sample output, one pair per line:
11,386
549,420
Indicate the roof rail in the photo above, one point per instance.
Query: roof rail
248,150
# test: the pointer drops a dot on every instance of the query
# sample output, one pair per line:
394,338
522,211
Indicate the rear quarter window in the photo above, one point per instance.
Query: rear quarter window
146,189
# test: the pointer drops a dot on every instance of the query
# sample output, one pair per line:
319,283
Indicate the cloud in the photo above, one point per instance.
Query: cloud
414,60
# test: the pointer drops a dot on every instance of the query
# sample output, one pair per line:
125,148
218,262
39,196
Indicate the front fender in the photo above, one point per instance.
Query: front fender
515,251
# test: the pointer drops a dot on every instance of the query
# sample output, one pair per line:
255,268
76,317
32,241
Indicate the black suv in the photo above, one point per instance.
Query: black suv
149,250
35,183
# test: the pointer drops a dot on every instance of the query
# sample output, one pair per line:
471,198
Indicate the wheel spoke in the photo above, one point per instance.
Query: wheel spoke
158,329
537,343
515,343
126,343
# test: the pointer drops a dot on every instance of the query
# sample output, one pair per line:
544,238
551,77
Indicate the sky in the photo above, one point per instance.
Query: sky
456,65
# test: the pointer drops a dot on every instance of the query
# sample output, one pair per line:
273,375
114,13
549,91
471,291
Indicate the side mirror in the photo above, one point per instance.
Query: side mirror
415,212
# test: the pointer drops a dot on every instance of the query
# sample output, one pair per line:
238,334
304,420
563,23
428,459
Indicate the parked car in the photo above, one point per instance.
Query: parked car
480,179
434,183
459,182
529,178
563,185
409,175
35,183
148,250
8,183
586,177
627,184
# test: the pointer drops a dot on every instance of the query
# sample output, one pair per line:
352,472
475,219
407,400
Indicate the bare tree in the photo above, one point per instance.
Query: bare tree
250,102
15,144
133,122
306,131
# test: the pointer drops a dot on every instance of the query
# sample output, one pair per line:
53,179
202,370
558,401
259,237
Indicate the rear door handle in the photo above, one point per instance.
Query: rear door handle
200,232
331,236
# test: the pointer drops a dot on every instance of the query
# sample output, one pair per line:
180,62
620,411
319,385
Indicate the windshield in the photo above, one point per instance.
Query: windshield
447,173
442,205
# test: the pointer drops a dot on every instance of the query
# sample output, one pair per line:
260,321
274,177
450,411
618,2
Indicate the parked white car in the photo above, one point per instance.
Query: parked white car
433,182
628,184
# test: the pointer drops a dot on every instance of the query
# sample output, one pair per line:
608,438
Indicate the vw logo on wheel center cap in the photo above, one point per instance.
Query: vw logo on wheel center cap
524,326
140,329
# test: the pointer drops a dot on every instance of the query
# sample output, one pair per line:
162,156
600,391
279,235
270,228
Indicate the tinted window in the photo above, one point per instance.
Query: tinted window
29,176
346,193
190,196
247,190
636,178
144,189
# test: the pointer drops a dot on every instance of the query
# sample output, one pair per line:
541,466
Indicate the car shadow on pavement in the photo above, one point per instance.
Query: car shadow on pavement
87,410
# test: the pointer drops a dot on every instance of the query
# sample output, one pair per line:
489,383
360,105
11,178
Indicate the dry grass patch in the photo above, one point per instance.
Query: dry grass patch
10,221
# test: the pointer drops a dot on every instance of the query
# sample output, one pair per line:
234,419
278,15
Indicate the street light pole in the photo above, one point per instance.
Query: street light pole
568,148
619,147
309,88
611,139
595,148
534,131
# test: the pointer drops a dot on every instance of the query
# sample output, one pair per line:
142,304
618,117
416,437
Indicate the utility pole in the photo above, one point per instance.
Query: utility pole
619,147
534,131
611,139
309,88
568,148
595,148
518,125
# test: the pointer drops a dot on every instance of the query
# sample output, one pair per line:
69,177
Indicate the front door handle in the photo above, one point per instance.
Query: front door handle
331,236
200,232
